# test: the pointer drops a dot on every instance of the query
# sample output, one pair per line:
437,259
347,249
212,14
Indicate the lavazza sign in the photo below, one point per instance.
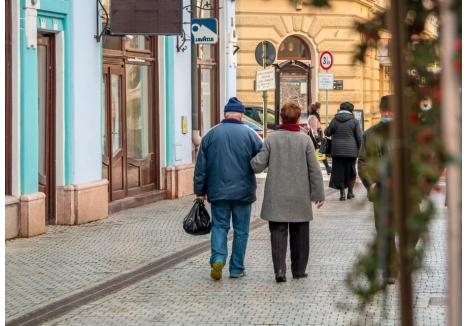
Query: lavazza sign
204,31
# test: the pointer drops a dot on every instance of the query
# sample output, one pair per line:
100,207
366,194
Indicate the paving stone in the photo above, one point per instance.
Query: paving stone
185,294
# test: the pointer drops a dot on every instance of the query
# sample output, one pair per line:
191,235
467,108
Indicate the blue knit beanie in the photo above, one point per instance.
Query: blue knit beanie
234,105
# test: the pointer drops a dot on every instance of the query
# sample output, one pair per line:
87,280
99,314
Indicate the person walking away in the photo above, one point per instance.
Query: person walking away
315,128
346,135
374,171
294,180
223,174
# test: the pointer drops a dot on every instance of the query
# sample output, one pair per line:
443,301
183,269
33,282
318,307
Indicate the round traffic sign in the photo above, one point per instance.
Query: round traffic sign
270,53
326,60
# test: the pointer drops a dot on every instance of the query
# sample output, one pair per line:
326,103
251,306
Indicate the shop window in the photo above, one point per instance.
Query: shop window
293,48
208,79
104,117
138,42
138,95
115,112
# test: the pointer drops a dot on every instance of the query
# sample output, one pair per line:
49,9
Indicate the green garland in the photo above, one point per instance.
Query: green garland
427,151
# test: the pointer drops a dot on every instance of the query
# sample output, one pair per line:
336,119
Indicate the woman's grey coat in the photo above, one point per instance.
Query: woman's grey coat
294,177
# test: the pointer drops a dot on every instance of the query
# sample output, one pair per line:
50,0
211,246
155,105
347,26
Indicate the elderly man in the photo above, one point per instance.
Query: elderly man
223,174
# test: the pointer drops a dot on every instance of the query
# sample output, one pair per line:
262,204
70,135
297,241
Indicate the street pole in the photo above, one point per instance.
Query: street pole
451,132
326,108
400,154
265,93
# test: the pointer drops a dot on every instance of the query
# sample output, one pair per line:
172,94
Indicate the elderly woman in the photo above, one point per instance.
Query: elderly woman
346,135
294,180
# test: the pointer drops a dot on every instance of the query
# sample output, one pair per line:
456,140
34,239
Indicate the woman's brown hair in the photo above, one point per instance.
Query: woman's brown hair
290,113
314,107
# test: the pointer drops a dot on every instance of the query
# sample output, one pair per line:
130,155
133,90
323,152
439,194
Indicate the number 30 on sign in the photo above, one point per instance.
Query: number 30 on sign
326,60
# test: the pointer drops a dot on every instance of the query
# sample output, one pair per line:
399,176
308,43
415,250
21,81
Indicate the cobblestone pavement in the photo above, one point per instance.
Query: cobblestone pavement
67,260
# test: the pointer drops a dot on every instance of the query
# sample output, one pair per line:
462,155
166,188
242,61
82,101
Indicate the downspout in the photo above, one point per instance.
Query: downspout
196,136
169,65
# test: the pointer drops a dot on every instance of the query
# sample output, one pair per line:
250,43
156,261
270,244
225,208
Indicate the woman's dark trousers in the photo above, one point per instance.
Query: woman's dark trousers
327,166
298,241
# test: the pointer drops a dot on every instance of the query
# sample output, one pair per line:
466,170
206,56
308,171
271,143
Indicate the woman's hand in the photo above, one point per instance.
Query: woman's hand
319,204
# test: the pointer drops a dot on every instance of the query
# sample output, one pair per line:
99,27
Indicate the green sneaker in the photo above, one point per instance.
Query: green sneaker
217,271
241,274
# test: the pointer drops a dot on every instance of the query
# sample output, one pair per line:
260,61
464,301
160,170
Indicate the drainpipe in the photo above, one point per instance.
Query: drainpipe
169,63
196,136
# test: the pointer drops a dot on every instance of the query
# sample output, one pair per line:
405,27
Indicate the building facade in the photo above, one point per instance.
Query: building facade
300,33
51,171
95,125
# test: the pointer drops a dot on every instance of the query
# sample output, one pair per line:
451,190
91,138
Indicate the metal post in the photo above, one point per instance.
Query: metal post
326,108
196,134
265,93
451,132
400,154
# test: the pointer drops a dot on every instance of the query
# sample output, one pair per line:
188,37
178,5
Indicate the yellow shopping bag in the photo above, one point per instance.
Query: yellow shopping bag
320,156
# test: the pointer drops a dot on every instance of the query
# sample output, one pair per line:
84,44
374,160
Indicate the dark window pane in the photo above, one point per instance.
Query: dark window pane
113,42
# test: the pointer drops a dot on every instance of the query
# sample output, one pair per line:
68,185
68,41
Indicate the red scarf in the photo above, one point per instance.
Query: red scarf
290,127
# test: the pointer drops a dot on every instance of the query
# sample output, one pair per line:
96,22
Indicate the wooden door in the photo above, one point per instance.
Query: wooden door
46,120
113,140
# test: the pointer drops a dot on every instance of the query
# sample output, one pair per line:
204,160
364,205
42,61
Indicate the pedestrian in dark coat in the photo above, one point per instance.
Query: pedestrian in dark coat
223,174
346,135
294,180
374,168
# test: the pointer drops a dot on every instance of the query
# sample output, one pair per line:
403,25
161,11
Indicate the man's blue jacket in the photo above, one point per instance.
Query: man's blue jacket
223,171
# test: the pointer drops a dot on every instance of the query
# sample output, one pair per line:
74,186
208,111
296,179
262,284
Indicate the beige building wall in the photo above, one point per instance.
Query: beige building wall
322,29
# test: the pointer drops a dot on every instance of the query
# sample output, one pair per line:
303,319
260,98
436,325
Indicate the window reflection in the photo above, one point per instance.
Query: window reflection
104,116
116,97
138,105
138,42
206,99
293,48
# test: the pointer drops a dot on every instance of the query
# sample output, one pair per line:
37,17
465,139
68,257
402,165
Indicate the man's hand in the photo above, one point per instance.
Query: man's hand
372,186
319,204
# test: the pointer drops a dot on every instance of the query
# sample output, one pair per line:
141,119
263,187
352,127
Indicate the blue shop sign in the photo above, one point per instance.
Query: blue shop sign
204,30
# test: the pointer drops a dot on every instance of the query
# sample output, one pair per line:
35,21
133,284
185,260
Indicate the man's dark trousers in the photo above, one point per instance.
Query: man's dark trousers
298,241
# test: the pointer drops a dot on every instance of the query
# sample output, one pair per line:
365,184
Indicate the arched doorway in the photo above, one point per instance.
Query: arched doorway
293,75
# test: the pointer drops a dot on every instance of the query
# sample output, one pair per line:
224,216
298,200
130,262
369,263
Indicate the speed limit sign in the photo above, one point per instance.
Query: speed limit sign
326,60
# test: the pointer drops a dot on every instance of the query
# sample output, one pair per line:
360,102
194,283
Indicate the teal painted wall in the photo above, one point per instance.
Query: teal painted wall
29,128
169,79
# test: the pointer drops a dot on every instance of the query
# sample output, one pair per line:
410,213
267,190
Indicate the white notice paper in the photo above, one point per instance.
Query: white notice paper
325,80
265,79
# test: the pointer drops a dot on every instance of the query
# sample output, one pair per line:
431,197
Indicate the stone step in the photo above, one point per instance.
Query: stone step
137,200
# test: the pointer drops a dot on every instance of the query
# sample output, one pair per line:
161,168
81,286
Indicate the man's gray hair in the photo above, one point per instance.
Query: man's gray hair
233,115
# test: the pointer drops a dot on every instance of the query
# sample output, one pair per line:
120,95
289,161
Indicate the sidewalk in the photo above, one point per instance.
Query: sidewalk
67,260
